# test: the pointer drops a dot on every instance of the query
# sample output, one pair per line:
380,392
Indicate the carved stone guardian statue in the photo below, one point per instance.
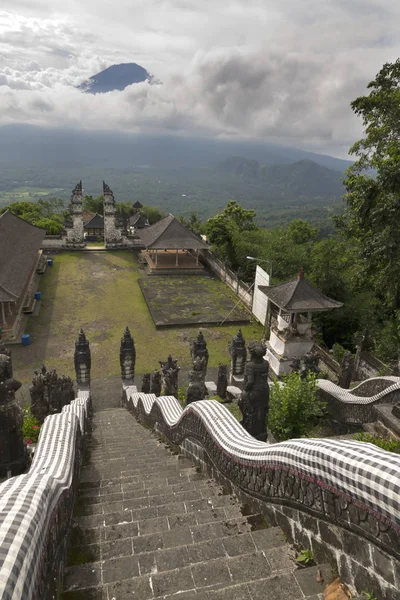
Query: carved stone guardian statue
197,377
13,456
146,383
254,400
169,374
155,385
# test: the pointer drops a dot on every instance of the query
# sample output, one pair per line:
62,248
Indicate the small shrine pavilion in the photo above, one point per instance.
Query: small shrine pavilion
290,308
169,245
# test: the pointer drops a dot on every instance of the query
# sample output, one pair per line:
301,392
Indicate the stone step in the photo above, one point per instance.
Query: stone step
172,573
148,525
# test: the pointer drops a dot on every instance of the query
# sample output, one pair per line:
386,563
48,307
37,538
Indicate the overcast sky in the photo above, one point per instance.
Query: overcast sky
282,70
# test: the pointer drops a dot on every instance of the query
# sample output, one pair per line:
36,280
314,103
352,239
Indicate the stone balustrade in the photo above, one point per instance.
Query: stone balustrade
357,406
326,495
36,508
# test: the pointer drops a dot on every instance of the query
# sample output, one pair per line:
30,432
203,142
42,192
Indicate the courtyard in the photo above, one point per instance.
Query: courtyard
99,291
191,300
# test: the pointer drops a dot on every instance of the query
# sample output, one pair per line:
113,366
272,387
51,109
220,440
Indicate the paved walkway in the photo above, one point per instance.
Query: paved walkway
148,525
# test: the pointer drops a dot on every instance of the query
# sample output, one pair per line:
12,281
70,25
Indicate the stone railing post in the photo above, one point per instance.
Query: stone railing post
127,357
13,456
82,360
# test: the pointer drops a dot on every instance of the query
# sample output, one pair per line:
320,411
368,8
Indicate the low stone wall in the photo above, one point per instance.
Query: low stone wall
33,542
357,406
319,491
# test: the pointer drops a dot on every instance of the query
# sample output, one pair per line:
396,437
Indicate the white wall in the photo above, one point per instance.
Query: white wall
260,301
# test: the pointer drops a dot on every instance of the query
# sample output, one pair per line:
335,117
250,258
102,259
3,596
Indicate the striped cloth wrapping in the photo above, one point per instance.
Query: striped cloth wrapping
348,396
28,503
357,469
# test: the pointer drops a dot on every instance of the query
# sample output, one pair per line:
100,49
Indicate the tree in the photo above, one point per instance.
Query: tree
153,214
224,227
372,216
94,204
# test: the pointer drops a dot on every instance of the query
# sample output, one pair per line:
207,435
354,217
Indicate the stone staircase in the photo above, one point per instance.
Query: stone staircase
149,525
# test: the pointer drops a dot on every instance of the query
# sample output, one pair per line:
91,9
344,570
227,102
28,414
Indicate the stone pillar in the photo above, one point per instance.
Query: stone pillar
82,360
238,352
112,232
222,381
13,456
346,370
197,377
198,348
74,224
127,357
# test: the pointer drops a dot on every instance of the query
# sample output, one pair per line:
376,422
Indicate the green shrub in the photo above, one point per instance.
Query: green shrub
338,352
381,442
30,427
294,407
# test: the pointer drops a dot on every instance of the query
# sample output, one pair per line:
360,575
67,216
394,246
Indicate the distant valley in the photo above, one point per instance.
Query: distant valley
179,175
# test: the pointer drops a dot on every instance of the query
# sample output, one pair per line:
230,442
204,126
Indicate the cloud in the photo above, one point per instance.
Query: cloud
253,68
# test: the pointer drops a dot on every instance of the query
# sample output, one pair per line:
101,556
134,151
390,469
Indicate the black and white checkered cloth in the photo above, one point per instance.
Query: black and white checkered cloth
359,470
348,396
29,503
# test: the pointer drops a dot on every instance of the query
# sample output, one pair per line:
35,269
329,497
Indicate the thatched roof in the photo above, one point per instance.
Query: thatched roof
170,234
19,245
298,295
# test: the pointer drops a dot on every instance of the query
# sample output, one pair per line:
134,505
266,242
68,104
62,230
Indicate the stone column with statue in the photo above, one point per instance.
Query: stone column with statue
82,361
197,376
254,400
13,454
127,357
237,350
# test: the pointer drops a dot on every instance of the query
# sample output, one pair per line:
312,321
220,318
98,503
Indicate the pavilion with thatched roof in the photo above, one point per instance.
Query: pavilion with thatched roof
171,245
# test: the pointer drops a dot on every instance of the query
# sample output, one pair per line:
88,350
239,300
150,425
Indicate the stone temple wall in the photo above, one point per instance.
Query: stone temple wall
45,496
339,498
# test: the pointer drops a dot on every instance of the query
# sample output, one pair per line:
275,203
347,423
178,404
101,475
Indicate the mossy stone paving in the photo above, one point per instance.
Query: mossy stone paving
190,300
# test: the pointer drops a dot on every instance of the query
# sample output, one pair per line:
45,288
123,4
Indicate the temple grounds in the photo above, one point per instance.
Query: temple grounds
190,300
99,291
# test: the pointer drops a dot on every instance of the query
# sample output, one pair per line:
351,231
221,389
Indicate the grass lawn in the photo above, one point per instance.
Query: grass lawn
99,292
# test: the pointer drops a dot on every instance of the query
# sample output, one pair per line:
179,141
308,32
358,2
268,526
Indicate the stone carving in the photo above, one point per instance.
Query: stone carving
82,360
295,365
107,191
169,373
222,381
197,377
199,348
50,393
253,401
237,350
346,370
310,364
155,386
127,356
146,383
13,457
74,220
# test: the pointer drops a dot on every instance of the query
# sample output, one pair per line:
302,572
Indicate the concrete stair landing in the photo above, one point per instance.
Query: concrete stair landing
148,525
